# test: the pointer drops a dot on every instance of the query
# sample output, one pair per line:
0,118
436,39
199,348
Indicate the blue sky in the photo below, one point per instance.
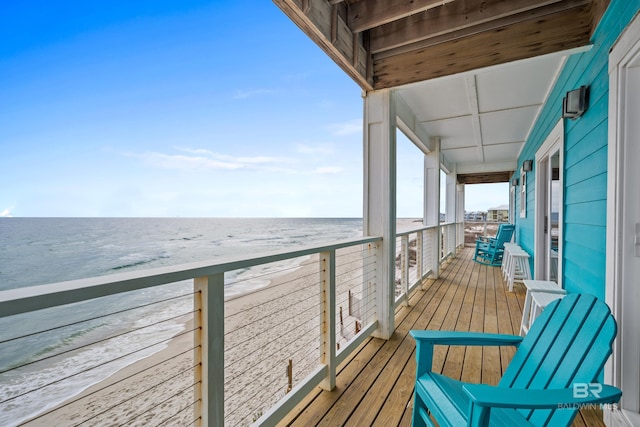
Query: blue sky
176,108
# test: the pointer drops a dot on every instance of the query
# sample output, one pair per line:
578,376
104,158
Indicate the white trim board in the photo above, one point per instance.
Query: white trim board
625,53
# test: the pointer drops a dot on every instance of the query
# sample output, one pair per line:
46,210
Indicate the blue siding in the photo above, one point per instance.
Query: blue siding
586,168
585,158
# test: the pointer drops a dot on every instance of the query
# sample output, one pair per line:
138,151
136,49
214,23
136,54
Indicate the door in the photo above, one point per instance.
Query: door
630,254
552,237
623,224
548,220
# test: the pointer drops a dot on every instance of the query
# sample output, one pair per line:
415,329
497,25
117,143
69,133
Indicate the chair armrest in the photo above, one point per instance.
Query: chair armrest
425,340
502,397
464,338
485,241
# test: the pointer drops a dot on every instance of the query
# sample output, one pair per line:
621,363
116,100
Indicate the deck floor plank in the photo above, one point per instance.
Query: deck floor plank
375,384
382,384
329,407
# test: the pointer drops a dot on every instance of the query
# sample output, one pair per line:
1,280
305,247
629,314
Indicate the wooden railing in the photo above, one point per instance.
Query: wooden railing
476,229
247,359
331,287
418,256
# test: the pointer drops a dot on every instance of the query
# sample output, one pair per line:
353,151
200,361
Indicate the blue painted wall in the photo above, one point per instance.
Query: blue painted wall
585,158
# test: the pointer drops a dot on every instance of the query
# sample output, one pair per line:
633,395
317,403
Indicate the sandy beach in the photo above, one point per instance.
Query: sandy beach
264,330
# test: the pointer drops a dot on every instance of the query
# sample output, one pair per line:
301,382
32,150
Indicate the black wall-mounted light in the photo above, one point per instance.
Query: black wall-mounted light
514,182
575,103
527,165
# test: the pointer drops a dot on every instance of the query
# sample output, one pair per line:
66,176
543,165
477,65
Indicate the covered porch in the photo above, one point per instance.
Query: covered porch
485,90
374,386
468,83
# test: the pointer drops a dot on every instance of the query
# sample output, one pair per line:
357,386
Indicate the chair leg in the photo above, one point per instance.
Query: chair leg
420,413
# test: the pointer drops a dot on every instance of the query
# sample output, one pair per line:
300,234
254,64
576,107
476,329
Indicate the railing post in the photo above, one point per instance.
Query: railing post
434,238
404,266
209,350
452,239
419,255
328,316
369,285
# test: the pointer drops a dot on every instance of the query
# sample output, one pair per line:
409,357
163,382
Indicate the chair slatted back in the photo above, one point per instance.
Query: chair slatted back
568,343
504,234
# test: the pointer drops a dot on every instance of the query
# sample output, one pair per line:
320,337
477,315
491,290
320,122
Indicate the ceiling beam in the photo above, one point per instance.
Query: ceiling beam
552,33
322,23
460,19
367,14
484,178
472,93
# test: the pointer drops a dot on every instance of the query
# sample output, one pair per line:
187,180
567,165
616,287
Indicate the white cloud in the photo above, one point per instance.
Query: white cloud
246,160
200,158
250,93
351,127
6,213
181,161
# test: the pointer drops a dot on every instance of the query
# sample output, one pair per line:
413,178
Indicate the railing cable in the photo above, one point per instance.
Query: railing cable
246,325
91,368
96,342
160,403
276,298
94,318
306,332
114,383
180,411
273,365
139,394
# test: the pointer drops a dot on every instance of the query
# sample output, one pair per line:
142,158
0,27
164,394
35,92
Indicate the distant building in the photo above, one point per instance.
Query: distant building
499,214
475,216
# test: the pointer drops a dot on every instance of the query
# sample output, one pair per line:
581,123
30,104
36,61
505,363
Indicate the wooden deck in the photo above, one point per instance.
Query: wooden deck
375,385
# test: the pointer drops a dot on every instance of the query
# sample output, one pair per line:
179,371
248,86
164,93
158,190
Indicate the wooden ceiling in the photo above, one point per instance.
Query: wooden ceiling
389,43
484,178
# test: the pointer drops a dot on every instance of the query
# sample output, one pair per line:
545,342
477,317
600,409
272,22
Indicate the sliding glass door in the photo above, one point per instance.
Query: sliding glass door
548,220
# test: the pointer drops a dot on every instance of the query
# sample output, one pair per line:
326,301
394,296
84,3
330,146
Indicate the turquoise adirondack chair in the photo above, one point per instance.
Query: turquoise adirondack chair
489,251
554,370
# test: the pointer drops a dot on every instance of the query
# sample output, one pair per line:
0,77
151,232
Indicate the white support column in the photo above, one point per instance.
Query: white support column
380,198
450,212
209,350
432,201
460,214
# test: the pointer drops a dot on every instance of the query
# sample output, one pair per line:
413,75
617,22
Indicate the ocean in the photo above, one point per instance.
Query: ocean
35,251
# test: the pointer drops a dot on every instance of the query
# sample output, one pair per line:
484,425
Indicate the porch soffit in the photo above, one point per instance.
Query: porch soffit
483,117
473,72
388,43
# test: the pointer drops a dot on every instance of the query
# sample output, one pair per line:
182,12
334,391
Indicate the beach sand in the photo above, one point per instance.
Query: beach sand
264,330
